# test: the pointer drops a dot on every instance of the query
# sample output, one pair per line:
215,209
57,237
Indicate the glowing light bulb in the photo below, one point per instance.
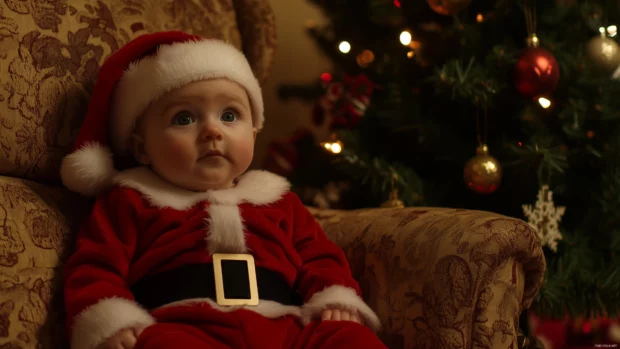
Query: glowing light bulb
612,30
405,38
544,102
336,148
480,18
344,47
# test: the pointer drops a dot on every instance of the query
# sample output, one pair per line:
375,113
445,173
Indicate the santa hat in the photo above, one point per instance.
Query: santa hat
132,78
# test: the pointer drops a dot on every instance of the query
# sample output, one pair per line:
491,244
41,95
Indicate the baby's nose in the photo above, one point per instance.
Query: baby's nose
211,131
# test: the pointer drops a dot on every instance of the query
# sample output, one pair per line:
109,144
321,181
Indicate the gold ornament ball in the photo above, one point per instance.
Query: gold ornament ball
448,7
483,173
604,52
394,201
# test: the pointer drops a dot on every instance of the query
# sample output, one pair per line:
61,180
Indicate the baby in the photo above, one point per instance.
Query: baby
183,249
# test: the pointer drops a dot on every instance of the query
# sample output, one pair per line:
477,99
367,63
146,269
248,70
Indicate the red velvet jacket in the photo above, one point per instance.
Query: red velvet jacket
144,226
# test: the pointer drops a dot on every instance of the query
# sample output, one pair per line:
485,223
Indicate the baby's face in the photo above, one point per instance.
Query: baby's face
198,137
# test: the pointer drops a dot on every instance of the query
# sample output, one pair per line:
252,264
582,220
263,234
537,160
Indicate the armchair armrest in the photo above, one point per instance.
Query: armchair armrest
440,277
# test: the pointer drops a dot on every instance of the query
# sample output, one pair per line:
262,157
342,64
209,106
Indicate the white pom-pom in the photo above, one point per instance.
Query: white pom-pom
88,170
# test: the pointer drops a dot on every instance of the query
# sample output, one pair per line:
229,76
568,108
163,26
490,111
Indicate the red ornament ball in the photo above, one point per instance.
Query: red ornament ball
537,72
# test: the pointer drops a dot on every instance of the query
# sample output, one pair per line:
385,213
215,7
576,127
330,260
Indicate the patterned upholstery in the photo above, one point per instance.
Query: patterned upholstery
441,278
36,222
438,278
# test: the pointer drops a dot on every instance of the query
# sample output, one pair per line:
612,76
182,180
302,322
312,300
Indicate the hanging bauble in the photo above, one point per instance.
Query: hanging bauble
394,201
537,72
604,53
448,7
483,173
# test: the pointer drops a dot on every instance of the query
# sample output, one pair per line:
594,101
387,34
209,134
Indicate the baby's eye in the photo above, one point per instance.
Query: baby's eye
183,118
229,116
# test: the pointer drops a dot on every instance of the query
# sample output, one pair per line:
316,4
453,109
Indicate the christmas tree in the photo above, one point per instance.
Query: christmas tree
479,105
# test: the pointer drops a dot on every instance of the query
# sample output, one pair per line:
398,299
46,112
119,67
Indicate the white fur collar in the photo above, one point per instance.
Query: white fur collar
255,187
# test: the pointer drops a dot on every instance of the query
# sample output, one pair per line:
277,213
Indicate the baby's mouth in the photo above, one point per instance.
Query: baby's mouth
212,154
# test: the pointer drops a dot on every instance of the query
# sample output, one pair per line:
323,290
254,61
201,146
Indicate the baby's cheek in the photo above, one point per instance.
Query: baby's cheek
174,151
245,149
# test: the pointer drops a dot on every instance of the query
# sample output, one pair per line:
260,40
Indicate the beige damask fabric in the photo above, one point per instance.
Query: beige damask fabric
51,51
441,278
36,225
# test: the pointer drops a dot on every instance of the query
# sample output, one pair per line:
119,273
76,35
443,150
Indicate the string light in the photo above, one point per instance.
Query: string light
612,30
410,54
334,147
480,18
327,77
405,38
397,3
344,47
544,102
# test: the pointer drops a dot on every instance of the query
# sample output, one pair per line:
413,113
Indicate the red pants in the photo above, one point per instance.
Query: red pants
196,328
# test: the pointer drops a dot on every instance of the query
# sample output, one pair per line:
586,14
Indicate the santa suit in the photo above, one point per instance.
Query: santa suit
143,226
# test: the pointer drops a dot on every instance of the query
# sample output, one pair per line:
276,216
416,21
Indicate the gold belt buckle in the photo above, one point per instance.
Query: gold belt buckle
219,278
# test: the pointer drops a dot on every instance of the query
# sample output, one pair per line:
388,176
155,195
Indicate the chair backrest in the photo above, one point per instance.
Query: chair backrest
50,53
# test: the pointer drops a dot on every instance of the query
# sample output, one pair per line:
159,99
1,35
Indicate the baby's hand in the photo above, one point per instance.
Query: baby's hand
337,314
123,339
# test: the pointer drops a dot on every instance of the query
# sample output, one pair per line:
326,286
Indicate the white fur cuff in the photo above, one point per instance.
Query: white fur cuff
342,297
103,319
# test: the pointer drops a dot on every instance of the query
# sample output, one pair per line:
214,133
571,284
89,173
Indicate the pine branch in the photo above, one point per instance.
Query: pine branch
377,173
579,282
468,82
609,201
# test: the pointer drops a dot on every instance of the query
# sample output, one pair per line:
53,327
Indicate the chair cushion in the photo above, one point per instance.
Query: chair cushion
34,241
441,277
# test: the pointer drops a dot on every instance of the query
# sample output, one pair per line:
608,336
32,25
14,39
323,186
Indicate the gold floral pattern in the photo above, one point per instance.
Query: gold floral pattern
441,278
51,51
36,222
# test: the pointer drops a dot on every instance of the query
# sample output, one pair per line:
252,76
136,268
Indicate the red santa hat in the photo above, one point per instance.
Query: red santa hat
132,78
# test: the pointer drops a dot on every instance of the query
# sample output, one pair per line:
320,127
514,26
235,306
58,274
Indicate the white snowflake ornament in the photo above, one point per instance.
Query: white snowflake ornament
544,218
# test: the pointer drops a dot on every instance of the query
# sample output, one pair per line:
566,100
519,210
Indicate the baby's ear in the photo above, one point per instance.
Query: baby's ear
138,150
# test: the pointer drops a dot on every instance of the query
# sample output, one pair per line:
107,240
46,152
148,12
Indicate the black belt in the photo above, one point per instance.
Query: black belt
197,281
